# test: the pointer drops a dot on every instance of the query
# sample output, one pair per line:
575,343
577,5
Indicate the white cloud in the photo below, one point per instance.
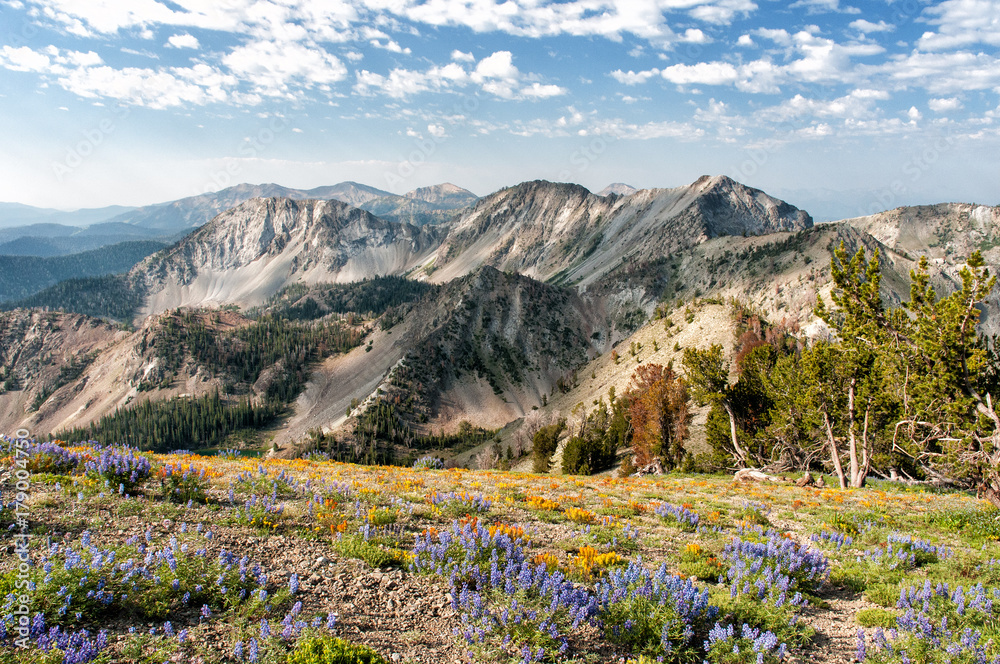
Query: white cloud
745,41
182,41
539,91
704,73
962,23
695,36
824,6
354,56
634,78
391,45
276,68
779,36
152,88
459,56
498,65
23,59
722,12
437,130
865,27
495,74
914,114
824,60
143,53
944,73
760,77
943,105
858,104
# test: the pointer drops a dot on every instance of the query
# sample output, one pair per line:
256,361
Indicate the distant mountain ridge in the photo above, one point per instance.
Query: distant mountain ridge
563,232
544,230
168,222
250,252
18,214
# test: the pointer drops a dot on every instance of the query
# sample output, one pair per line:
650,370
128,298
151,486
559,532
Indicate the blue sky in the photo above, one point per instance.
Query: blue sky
840,108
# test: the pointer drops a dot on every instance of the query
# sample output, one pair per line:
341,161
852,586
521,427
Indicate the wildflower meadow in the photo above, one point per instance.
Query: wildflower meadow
138,557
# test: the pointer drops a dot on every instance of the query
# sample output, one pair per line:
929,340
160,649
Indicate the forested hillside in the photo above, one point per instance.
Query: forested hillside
23,276
261,367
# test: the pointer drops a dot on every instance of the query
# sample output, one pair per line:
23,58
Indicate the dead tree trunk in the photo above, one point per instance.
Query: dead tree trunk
834,452
741,454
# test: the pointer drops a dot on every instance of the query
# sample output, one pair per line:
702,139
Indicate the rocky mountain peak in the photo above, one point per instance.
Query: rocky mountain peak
442,192
731,208
618,188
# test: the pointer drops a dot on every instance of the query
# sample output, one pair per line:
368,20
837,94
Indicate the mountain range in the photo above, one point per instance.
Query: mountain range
482,317
28,231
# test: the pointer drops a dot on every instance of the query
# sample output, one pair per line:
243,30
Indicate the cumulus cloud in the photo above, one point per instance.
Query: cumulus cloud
944,73
495,74
539,91
275,68
706,73
23,59
944,105
634,78
151,88
722,12
182,41
865,27
824,7
695,36
962,23
858,104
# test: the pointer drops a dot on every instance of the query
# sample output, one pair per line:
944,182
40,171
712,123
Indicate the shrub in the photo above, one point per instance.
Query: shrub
121,467
182,484
52,458
876,618
375,556
433,463
655,613
937,624
331,650
728,645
